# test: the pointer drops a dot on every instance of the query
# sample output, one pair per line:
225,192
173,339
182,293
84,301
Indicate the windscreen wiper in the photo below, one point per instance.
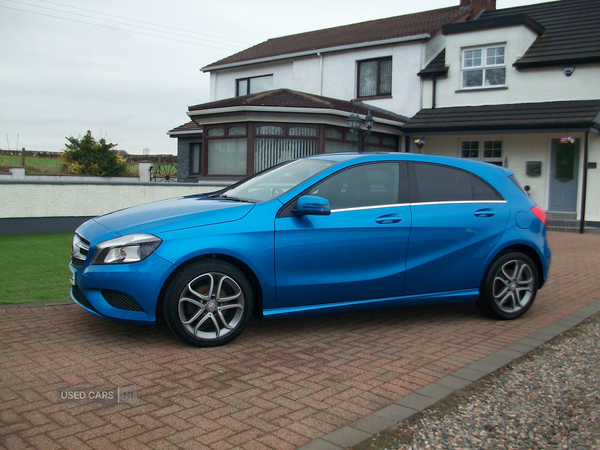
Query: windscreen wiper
234,199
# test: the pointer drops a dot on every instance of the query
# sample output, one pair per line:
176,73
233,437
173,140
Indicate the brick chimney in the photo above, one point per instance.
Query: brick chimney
477,6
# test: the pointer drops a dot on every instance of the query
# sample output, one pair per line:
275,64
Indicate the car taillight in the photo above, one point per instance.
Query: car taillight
540,214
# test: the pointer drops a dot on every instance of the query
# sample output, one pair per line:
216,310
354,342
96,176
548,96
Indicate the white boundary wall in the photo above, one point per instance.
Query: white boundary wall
27,199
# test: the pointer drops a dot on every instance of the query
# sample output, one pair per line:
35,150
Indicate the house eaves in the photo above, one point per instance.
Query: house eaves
279,110
340,48
583,115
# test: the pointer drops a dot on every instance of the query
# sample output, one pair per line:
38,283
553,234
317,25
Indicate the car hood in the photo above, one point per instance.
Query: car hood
174,214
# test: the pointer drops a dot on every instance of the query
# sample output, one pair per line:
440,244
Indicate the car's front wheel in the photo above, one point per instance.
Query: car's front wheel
208,303
509,287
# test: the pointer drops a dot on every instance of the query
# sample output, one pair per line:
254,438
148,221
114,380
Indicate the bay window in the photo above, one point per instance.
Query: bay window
227,149
274,144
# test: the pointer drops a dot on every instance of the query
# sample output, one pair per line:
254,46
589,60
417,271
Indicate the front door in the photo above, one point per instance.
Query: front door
563,177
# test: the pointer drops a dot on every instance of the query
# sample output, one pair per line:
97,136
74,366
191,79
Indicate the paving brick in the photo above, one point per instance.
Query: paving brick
280,385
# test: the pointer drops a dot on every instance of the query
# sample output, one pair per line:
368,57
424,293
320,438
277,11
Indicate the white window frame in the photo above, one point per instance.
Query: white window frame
486,62
481,150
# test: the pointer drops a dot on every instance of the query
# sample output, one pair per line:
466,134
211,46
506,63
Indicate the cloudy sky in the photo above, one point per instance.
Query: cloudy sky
128,69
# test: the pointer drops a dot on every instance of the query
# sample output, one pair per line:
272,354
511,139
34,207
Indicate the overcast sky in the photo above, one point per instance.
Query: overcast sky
128,69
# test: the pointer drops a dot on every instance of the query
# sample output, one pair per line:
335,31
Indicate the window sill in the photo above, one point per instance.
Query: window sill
374,97
483,88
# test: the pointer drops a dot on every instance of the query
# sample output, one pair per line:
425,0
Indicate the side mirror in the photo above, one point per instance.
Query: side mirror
312,205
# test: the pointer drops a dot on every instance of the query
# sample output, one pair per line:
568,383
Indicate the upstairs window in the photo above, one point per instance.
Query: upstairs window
253,85
375,77
483,67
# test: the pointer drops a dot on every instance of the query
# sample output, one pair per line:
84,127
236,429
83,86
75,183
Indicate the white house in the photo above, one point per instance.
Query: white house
503,86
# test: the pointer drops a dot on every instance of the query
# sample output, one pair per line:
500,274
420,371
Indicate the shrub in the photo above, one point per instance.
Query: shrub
85,155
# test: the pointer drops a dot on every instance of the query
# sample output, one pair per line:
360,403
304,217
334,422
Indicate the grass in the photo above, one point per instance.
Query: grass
33,164
34,267
51,166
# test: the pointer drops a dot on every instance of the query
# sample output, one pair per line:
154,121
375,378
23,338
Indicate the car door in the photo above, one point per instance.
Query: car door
457,218
356,253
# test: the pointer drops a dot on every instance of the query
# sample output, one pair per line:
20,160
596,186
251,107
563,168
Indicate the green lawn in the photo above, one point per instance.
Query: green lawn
33,164
50,166
34,267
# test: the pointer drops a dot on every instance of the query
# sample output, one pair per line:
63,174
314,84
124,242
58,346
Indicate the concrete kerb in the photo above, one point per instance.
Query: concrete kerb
418,401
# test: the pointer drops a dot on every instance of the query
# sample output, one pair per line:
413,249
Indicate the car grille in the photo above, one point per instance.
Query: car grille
120,301
79,251
80,297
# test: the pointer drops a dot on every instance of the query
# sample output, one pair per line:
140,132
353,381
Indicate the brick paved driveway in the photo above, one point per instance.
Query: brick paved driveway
281,385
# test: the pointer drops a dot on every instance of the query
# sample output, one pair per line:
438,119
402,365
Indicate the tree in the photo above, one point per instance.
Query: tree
85,155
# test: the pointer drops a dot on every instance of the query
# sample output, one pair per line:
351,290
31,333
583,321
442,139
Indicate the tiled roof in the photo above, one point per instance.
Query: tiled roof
583,114
428,22
571,36
287,98
436,67
186,128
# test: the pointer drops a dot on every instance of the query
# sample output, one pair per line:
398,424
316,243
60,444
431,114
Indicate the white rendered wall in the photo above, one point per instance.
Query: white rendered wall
24,200
522,86
335,75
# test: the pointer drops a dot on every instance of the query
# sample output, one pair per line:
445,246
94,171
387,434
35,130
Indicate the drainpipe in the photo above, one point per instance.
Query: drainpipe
584,183
433,88
320,73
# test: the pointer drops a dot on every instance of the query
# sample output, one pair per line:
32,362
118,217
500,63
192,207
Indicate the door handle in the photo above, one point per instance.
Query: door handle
388,219
487,212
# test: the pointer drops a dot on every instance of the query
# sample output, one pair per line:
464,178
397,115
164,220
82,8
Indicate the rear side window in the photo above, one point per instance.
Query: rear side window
439,183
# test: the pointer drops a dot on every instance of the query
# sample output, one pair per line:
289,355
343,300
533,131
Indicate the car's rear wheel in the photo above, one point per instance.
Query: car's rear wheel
208,303
509,287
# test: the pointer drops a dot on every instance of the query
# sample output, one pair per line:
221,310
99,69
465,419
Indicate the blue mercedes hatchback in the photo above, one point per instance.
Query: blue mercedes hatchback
323,234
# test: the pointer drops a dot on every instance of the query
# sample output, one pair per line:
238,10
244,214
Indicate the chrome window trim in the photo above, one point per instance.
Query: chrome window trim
471,202
360,208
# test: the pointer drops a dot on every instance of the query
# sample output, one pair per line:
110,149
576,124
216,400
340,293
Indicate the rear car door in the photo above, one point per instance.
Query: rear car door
356,253
457,219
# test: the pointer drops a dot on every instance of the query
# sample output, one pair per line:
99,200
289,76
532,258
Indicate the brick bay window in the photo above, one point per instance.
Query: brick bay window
253,85
483,67
486,151
375,78
227,150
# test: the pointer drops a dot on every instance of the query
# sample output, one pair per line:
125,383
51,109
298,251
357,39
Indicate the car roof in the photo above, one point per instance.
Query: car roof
462,163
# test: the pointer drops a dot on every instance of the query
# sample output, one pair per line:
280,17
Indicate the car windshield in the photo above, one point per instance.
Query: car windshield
276,181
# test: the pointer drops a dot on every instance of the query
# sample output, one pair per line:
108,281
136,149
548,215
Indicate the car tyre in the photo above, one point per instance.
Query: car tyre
509,286
208,303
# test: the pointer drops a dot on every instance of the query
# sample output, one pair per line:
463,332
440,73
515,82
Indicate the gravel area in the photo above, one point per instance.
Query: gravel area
550,399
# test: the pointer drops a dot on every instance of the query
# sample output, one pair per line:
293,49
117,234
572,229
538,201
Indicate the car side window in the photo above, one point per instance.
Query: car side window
362,186
439,183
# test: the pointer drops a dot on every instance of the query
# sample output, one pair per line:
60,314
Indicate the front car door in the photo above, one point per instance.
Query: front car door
356,253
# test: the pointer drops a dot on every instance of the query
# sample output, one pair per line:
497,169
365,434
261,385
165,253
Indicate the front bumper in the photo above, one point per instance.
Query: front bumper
123,292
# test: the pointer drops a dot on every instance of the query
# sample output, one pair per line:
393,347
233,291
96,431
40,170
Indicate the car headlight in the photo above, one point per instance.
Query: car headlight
126,249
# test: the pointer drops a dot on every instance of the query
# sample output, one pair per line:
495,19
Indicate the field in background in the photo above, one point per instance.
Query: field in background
49,163
33,164
34,267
